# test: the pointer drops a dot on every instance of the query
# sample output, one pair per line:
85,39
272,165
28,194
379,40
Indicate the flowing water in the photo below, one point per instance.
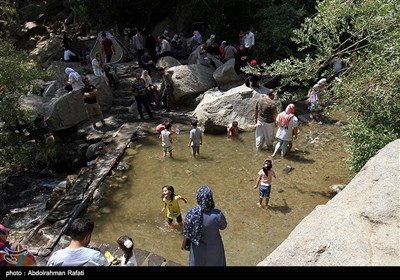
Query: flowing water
132,203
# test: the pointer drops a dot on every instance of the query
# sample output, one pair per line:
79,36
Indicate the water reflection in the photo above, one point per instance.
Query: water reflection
133,205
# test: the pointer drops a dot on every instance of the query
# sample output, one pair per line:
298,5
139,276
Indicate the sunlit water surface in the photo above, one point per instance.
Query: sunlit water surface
132,202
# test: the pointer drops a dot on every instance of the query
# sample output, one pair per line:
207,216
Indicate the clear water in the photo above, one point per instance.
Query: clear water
132,203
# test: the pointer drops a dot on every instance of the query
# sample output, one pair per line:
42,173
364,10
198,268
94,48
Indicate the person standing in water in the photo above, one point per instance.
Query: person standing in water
166,140
171,203
196,139
233,131
286,121
264,182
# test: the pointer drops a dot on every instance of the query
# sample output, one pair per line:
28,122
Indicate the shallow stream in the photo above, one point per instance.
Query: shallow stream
132,203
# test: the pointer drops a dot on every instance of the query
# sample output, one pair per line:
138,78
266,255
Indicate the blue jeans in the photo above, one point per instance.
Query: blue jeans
264,191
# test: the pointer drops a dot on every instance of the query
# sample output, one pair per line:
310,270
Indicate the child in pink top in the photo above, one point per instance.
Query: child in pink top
264,180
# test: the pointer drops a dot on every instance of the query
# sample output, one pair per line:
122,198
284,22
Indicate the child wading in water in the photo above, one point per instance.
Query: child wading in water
264,180
166,140
233,130
196,139
172,205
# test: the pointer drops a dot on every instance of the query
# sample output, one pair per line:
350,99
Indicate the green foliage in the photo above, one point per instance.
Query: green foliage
367,33
365,142
274,25
110,14
8,11
17,69
17,76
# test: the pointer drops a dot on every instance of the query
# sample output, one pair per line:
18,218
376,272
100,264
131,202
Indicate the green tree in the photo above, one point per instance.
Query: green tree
17,74
118,14
274,22
367,33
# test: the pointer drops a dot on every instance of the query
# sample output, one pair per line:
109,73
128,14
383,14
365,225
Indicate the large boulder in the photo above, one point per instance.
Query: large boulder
358,227
65,111
192,59
218,109
226,76
105,96
48,51
191,80
167,62
68,110
53,89
29,29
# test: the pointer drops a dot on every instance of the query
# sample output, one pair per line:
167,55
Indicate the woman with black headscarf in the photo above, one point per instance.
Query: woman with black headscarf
202,225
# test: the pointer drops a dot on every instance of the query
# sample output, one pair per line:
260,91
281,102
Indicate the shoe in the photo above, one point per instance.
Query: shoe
104,124
94,126
259,205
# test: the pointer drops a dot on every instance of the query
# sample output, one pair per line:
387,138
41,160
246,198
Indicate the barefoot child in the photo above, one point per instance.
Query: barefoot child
196,139
172,205
166,140
233,131
265,178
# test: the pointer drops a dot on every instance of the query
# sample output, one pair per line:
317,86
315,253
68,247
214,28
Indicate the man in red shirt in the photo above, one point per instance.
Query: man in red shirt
107,47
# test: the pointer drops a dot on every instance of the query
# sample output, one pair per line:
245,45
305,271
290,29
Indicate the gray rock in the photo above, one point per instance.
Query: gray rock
358,227
288,169
218,109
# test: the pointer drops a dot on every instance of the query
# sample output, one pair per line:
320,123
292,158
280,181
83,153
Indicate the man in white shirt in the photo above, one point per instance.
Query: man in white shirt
77,253
69,55
249,40
139,45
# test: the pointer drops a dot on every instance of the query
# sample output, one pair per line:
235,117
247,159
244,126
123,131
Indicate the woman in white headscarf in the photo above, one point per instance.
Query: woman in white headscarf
149,87
74,79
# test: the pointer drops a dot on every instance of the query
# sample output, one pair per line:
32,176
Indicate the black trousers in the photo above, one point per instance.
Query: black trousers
143,100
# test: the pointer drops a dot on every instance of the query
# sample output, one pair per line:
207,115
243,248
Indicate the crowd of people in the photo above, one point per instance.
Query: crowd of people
202,224
148,50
